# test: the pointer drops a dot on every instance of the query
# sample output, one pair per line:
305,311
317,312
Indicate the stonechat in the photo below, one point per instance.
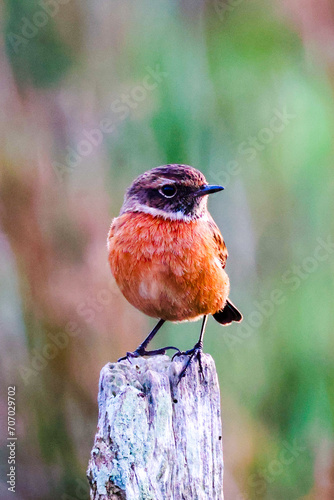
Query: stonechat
167,254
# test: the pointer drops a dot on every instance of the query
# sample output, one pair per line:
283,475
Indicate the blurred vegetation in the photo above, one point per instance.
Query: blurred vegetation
244,92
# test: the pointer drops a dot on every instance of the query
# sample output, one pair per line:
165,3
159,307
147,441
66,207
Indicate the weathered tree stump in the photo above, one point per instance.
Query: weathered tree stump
158,439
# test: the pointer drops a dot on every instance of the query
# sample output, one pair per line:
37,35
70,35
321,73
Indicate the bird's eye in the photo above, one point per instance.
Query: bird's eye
168,191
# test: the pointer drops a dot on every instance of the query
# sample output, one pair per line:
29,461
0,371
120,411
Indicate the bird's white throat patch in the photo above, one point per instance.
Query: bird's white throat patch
157,212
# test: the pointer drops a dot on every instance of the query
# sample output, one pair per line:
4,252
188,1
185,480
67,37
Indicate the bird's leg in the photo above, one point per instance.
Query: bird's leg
196,351
141,349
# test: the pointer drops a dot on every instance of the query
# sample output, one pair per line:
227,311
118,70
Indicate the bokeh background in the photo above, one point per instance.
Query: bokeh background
93,93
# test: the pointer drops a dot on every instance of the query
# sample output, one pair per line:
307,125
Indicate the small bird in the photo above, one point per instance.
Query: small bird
167,254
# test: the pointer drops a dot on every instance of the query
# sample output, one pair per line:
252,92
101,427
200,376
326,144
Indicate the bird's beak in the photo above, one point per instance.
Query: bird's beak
208,189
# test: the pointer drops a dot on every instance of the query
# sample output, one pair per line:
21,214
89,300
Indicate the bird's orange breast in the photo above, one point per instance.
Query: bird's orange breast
167,269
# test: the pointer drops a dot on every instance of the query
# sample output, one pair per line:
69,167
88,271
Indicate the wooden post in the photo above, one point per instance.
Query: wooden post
158,439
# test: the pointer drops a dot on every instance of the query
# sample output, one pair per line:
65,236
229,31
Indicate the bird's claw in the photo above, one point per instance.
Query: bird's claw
129,355
195,352
142,352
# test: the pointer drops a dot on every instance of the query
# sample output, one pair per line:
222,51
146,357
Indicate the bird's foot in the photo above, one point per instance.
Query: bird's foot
195,352
140,351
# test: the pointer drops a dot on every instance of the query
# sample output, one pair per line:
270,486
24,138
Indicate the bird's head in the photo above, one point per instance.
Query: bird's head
176,192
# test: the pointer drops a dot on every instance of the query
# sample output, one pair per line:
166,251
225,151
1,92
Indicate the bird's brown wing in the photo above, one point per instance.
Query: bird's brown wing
222,252
229,313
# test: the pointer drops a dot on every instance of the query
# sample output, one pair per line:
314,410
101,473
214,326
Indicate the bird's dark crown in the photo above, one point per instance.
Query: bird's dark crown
170,191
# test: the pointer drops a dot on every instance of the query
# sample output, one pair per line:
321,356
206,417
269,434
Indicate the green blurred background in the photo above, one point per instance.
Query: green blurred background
93,93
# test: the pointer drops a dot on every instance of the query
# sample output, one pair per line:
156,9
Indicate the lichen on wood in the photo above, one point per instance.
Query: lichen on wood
158,437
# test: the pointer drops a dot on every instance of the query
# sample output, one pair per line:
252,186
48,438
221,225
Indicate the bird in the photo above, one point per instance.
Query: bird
167,254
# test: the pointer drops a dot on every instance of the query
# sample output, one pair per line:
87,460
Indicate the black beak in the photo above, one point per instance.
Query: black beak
208,190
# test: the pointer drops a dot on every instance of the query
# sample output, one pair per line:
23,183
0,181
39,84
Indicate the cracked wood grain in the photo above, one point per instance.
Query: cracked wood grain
156,438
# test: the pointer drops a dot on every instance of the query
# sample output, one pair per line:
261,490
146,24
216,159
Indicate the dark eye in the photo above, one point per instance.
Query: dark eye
168,191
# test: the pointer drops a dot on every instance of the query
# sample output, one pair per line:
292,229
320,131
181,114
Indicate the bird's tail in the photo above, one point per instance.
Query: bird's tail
228,314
